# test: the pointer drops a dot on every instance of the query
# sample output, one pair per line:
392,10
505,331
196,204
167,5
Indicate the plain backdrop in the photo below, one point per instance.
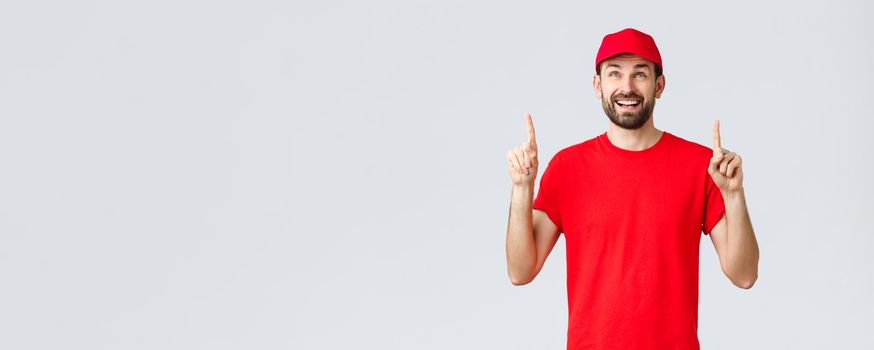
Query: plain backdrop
332,174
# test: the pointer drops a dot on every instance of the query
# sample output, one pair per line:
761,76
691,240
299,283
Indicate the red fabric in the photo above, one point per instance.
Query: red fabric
632,222
628,41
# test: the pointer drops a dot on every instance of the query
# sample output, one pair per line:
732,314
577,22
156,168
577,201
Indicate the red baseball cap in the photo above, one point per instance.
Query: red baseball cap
631,41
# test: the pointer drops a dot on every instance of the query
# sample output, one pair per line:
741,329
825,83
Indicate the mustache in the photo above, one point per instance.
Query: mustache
628,95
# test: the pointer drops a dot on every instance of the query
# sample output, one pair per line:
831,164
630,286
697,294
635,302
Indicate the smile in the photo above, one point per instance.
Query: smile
628,104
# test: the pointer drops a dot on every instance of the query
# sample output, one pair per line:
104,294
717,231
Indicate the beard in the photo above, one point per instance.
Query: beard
628,120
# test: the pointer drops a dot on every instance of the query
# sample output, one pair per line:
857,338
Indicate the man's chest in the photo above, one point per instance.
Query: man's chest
638,201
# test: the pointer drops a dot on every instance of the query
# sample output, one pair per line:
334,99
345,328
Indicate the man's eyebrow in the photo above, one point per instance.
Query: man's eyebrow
636,66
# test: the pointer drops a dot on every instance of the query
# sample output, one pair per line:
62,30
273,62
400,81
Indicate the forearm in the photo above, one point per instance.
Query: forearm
521,249
742,250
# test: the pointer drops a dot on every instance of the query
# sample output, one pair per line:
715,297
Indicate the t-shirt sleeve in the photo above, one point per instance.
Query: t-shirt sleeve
548,195
714,206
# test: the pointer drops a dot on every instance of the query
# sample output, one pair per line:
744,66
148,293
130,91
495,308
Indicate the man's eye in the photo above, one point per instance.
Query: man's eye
640,75
613,74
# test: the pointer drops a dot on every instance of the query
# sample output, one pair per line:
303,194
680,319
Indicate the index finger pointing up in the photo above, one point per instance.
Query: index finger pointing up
531,140
717,145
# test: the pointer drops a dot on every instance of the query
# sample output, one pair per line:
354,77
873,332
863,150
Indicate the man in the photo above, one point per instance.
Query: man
632,203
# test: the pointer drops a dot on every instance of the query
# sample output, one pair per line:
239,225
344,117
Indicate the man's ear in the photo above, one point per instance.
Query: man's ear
596,84
660,86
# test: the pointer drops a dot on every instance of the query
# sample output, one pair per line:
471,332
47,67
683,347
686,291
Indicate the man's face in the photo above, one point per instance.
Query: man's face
628,89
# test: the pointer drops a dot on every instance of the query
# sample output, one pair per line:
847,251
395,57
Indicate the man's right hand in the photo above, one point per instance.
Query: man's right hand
531,235
522,160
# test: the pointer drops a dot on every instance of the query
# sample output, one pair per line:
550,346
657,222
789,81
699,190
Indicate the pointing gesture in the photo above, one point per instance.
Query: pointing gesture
531,139
725,166
522,160
717,144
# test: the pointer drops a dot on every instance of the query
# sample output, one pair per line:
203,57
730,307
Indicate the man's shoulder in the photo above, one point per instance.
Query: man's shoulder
690,147
579,148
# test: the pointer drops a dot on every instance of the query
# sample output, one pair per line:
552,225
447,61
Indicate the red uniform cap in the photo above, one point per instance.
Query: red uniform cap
628,41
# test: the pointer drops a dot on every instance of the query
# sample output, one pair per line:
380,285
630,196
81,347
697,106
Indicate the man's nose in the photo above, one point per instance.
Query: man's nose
625,85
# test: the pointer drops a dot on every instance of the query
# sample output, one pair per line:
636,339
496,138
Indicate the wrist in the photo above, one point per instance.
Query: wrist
526,187
733,195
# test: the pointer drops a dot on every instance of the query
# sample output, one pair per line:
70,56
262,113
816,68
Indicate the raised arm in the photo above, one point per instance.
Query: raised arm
733,236
531,235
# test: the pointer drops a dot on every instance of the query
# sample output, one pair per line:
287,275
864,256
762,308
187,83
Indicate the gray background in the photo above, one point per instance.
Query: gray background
332,175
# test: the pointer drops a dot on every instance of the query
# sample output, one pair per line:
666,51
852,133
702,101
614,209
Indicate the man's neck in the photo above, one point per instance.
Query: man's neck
634,140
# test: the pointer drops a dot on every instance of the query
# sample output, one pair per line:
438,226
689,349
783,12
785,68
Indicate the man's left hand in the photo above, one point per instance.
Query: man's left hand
725,166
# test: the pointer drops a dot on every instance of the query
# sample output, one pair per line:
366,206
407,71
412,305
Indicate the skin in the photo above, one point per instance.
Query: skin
531,235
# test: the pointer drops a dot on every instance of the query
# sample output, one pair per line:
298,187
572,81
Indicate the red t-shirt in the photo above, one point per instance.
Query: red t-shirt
632,222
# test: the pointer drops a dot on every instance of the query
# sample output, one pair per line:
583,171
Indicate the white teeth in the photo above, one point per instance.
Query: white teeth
627,103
